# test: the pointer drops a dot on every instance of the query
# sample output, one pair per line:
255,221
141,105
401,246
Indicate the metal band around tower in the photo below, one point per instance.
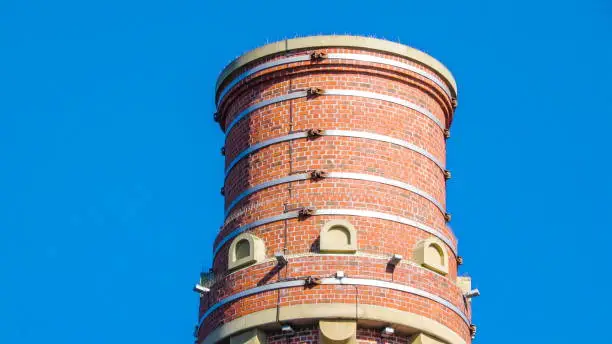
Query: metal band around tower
343,133
354,57
336,281
334,92
349,212
339,175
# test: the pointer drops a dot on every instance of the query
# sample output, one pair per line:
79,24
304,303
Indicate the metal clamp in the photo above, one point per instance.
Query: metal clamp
312,281
454,102
314,133
306,212
223,150
314,92
447,174
318,55
446,134
473,330
317,174
447,217
223,191
459,260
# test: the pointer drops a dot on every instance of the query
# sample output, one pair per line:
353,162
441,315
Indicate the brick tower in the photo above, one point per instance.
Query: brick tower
336,226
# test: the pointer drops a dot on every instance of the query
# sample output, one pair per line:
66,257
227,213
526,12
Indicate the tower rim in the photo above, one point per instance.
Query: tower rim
339,41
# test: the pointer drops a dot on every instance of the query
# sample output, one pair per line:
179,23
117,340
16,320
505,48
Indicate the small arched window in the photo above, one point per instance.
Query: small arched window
243,249
338,236
430,253
246,249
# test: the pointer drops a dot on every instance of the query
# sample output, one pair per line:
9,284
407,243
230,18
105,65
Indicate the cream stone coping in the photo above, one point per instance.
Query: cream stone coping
394,317
340,41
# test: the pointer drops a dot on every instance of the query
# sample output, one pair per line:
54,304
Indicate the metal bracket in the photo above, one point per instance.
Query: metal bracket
223,150
318,56
223,191
280,258
459,260
473,330
446,134
314,133
447,217
395,259
447,174
454,103
306,212
312,281
314,92
317,174
216,116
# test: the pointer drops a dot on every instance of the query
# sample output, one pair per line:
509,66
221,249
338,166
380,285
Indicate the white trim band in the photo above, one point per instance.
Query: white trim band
348,212
339,175
355,57
334,92
336,281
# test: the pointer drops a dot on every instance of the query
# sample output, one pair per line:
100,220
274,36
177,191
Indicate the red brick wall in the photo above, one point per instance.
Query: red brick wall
377,239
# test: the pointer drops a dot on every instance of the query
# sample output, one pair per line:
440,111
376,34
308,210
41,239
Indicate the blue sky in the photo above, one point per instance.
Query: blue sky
110,167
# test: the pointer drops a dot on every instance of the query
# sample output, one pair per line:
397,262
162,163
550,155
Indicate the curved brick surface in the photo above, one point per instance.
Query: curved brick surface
298,238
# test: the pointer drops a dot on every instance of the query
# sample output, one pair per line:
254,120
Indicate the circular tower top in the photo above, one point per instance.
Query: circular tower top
339,41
